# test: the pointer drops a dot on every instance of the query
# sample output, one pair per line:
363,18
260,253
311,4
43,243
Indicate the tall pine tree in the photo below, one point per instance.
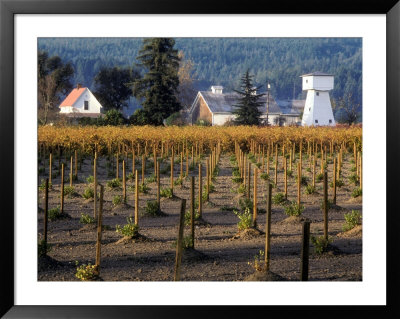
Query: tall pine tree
158,88
247,112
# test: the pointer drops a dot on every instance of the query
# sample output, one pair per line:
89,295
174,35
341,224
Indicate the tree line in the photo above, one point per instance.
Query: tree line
208,61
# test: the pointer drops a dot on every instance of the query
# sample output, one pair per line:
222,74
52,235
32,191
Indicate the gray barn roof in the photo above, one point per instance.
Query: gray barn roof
223,102
291,106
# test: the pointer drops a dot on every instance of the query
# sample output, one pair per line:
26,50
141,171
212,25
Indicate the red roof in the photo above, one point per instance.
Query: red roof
72,97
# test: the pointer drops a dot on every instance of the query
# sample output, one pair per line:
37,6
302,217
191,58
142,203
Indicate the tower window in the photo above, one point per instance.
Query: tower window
309,108
317,93
86,106
306,81
316,121
330,121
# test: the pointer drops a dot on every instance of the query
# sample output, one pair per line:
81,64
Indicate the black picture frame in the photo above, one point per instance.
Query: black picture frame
9,8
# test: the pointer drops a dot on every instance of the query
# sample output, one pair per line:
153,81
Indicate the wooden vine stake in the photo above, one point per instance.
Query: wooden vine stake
268,228
50,166
136,197
248,180
298,184
276,165
181,173
62,188
178,257
187,162
313,172
95,187
200,192
123,181
76,164
305,251
133,161
99,230
208,171
143,167
255,198
326,206
71,172
158,185
334,181
46,210
285,175
117,166
192,200
360,172
172,171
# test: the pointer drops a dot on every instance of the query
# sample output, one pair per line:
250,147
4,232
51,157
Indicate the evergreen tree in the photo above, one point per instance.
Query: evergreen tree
159,86
247,112
112,87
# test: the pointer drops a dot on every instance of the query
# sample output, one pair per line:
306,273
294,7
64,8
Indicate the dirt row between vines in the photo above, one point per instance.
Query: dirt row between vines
223,257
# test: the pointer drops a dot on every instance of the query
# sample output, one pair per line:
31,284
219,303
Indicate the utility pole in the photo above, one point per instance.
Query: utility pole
268,87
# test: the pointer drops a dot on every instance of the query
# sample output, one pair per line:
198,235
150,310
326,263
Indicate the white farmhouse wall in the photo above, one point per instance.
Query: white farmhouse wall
318,108
318,82
66,109
94,105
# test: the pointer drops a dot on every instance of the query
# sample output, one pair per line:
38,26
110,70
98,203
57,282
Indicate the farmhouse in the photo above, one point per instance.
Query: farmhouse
81,103
216,107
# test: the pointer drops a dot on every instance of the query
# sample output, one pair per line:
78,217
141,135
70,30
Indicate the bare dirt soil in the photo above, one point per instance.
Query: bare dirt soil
221,255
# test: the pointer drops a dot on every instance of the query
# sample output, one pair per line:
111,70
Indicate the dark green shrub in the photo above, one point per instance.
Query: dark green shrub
319,177
188,218
117,200
69,191
320,244
166,192
54,214
245,219
42,185
152,209
309,189
114,183
237,179
278,198
352,220
356,192
293,209
245,203
354,179
88,193
130,229
86,219
43,248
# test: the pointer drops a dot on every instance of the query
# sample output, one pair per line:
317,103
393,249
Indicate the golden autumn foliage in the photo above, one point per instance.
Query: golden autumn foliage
107,138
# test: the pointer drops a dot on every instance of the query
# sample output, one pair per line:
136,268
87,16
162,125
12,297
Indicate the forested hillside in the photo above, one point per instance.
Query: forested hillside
223,61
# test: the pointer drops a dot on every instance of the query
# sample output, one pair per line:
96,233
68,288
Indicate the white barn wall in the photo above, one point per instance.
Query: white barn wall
221,119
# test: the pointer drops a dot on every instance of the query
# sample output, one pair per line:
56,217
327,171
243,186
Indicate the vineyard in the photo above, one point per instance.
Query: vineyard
199,203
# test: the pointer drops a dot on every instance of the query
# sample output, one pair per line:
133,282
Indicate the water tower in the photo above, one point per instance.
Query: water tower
318,108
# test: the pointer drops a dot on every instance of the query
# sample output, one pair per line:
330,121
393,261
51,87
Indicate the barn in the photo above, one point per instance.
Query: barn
216,108
81,103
